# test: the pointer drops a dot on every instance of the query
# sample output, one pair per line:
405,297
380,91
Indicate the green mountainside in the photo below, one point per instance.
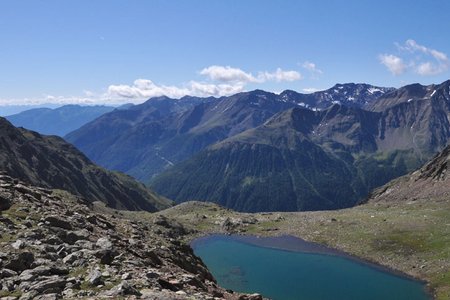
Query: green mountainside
260,151
403,225
286,165
313,160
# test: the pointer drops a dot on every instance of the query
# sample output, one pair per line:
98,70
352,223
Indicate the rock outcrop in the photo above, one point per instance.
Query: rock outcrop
429,183
56,245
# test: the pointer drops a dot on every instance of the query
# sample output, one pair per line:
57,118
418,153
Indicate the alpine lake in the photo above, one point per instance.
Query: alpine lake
288,268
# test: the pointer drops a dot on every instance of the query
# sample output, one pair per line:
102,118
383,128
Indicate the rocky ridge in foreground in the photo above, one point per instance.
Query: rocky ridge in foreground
53,245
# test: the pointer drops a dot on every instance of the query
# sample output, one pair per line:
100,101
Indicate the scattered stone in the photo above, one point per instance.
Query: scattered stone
53,235
181,293
5,273
51,284
123,289
19,261
68,293
72,237
251,297
5,202
104,243
106,256
9,298
55,221
19,244
7,222
72,257
152,275
44,270
28,191
95,277
165,284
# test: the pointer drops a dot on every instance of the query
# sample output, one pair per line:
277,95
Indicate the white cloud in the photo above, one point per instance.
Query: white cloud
312,68
428,69
412,46
310,90
205,89
144,89
220,81
422,60
235,75
227,74
279,75
394,63
50,99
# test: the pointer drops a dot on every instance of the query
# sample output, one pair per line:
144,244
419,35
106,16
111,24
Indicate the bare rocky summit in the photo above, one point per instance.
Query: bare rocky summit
55,245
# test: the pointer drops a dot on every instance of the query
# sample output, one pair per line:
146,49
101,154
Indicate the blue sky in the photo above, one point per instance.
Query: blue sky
109,51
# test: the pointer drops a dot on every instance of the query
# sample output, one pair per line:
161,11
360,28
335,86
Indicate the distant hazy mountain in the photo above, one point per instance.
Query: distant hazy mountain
7,110
50,162
306,160
57,121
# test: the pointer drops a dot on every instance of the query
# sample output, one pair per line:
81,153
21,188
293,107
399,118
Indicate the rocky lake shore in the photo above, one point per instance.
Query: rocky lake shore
54,245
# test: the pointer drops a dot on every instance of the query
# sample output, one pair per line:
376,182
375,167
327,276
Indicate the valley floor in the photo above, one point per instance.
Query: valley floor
410,237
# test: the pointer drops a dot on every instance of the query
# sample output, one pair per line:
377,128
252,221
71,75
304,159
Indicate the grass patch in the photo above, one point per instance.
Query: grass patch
6,238
401,242
263,226
79,271
442,281
4,293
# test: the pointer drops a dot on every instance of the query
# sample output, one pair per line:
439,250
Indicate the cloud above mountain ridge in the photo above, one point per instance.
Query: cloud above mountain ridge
416,58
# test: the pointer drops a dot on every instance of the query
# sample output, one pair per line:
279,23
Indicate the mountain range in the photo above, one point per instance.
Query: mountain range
260,151
51,162
58,245
58,121
161,132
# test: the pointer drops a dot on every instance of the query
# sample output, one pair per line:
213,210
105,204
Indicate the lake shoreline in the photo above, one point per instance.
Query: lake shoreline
293,243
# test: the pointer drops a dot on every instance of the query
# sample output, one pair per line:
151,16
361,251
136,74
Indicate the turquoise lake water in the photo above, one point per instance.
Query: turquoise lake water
243,265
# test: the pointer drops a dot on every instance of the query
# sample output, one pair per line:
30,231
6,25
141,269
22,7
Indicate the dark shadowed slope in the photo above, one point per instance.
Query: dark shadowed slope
49,161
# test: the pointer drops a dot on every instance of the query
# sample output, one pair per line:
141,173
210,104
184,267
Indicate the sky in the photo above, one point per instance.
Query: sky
113,52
